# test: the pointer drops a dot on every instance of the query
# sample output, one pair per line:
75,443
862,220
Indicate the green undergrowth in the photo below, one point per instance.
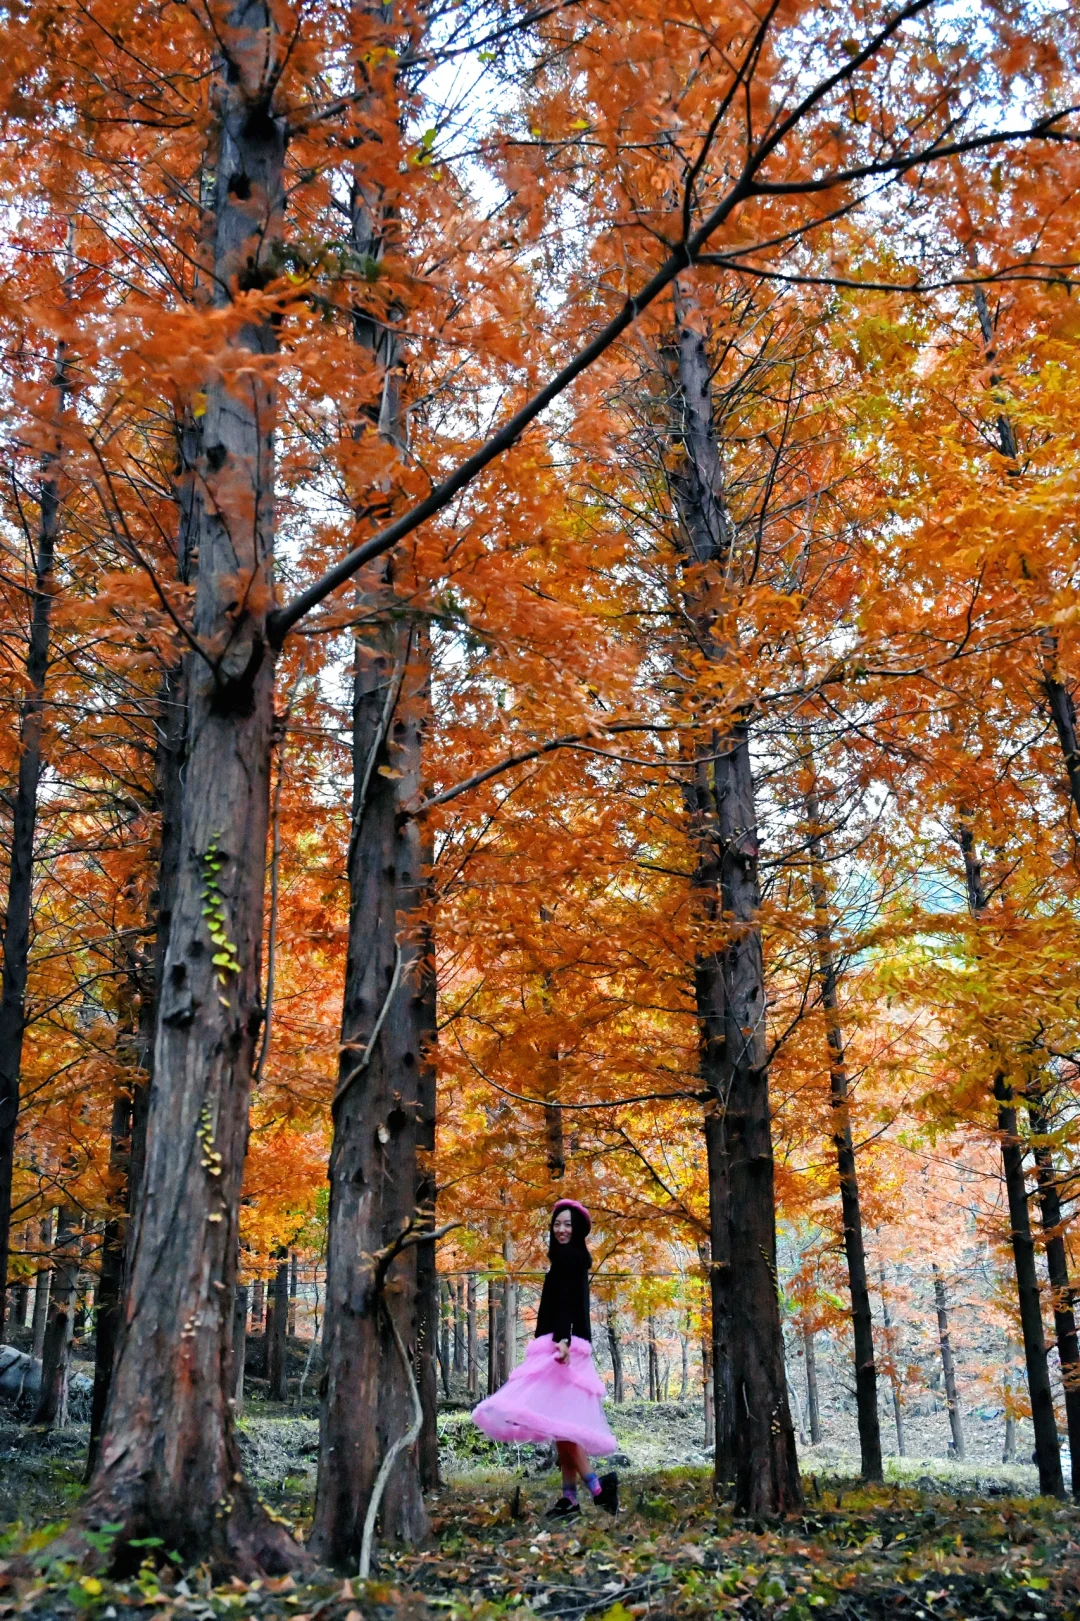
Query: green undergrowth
893,1553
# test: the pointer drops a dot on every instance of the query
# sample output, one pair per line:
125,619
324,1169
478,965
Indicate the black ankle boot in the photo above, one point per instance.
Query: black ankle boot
563,1508
608,1495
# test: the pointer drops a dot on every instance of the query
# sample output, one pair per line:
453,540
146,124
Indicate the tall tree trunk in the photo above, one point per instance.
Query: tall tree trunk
493,1335
1044,1423
459,1325
709,992
948,1365
894,1377
473,1346
1008,1453
292,1294
1057,1266
169,1464
127,1142
42,1288
618,1390
109,1314
20,890
59,1329
84,1288
277,1332
767,1473
654,1368
258,1306
382,1112
709,1393
500,1332
766,1466
510,1312
427,1275
239,1344
444,1336
866,1399
813,1403
20,1299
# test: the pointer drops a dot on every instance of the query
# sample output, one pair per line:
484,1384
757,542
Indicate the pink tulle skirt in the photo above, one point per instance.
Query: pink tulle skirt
546,1400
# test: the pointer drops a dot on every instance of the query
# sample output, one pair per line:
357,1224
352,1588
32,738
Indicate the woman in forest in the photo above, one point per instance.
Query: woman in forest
555,1395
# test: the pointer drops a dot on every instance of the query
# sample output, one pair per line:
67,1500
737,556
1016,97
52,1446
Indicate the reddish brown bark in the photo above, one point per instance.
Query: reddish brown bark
749,1373
169,1464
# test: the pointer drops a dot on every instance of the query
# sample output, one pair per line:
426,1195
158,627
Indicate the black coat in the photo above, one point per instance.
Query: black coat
564,1299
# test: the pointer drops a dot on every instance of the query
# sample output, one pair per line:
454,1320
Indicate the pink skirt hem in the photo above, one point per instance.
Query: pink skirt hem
546,1400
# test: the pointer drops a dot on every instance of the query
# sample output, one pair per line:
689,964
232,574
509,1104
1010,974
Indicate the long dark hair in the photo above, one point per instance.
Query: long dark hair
580,1227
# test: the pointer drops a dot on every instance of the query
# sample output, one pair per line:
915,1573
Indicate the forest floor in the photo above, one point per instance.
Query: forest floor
939,1542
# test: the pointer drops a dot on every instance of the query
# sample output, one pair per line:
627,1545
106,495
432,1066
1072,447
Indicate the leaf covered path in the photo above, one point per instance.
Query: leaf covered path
889,1553
897,1554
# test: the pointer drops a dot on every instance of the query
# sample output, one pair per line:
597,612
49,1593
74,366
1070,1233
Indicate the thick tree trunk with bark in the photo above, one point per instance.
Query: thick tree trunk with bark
383,1115
127,1144
763,1439
721,1288
1057,1267
427,1277
59,1328
767,1471
709,998
948,1365
384,1110
169,1464
866,1398
20,888
1044,1423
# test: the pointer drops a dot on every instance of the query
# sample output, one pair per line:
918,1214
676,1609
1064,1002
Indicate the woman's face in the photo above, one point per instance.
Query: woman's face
563,1227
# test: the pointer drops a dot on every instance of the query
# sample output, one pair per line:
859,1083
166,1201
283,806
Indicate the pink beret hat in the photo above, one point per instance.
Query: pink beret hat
571,1204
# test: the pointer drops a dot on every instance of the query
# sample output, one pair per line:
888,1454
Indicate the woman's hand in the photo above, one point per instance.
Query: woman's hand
562,1351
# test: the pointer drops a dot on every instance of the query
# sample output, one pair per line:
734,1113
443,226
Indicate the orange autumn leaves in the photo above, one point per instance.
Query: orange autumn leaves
894,585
